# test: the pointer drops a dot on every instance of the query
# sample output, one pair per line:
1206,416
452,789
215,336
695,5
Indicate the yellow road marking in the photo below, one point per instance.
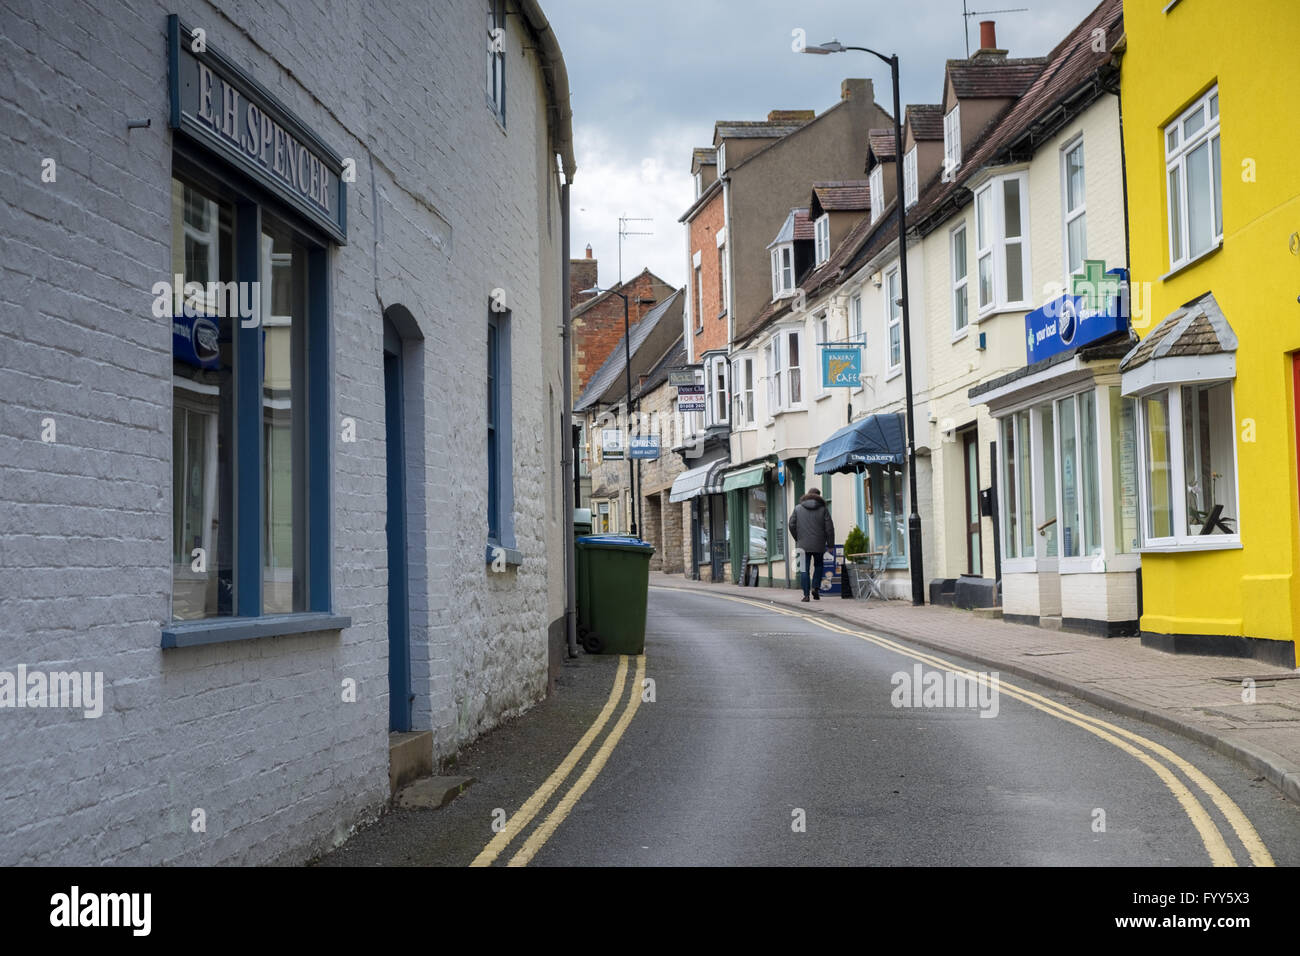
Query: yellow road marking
537,839
524,815
1215,845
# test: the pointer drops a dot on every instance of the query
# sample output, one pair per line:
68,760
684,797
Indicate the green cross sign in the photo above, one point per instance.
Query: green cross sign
1095,286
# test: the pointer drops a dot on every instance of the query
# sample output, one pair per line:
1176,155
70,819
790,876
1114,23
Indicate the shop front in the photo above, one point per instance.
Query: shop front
1065,471
700,489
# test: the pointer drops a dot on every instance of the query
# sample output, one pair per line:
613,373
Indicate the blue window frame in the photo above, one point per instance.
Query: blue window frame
496,78
500,453
252,408
884,487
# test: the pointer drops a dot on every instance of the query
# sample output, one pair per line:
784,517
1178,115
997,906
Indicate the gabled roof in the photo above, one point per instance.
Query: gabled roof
925,121
610,291
980,78
752,129
1073,69
843,196
797,226
880,145
704,156
609,372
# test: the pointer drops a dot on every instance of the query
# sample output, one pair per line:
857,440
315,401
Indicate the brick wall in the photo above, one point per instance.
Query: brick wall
599,328
445,208
712,332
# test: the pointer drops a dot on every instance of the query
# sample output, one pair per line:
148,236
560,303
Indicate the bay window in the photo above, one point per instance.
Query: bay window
1002,248
716,390
785,373
1189,473
1193,178
742,377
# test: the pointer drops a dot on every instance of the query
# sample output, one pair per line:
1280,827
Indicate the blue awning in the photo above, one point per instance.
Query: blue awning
875,440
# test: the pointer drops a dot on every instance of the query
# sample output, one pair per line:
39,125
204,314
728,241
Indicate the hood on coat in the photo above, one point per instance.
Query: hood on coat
812,502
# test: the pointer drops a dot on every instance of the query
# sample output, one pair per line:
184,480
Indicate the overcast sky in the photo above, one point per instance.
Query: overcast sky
649,79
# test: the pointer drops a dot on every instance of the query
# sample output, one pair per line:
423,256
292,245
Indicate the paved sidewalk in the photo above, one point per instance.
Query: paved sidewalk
1198,697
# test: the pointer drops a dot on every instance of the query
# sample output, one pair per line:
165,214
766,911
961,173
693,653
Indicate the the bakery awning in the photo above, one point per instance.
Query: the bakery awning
745,477
701,480
1192,343
875,440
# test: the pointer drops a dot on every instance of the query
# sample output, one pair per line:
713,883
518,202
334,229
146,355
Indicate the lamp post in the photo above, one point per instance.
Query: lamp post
627,379
914,519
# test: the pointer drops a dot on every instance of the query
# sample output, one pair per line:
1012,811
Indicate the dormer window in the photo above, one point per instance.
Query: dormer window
823,230
699,185
782,270
951,142
909,178
722,158
876,188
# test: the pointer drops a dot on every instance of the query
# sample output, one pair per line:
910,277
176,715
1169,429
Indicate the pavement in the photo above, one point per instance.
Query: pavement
1197,697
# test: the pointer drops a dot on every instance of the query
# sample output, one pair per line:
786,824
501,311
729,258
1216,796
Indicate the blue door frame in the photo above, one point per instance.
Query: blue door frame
399,642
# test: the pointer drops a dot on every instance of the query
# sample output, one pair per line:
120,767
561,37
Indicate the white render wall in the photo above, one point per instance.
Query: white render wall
446,207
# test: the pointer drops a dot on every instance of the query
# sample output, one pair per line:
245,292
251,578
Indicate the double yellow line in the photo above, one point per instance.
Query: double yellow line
518,823
1135,745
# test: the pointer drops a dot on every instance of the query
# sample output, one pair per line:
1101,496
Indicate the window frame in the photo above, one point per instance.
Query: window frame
1181,539
496,91
959,286
712,363
951,142
876,191
782,270
822,238
1070,214
998,241
892,322
910,185
1176,161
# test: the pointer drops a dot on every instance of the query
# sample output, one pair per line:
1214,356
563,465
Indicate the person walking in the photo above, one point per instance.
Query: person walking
813,532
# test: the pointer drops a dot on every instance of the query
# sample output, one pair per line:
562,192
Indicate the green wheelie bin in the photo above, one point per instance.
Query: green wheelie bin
613,573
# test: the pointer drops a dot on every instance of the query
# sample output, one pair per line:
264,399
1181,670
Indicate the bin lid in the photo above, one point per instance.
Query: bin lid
614,541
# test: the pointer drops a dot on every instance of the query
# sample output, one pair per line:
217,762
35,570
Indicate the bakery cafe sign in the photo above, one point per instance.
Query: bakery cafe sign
216,103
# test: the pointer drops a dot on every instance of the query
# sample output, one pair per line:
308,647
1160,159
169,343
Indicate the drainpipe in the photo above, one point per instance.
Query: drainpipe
567,466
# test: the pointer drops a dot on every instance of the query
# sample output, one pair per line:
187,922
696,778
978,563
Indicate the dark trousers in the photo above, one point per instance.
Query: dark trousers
810,562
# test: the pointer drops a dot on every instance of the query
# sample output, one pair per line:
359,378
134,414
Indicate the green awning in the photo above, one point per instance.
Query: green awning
744,478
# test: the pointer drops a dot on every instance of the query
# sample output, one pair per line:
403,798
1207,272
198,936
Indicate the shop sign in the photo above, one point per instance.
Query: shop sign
841,366
611,443
644,446
218,105
1098,308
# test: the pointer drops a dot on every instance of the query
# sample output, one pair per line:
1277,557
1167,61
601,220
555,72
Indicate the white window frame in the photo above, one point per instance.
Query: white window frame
1176,161
892,322
1068,214
742,378
1180,540
951,142
712,365
822,229
876,188
699,184
781,374
909,178
960,284
822,329
997,243
782,270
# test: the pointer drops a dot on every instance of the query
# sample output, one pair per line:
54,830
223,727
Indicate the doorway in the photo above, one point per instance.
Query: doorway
400,697
971,459
718,535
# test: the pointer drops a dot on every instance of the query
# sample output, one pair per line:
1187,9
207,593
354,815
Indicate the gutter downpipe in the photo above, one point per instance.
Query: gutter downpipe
566,434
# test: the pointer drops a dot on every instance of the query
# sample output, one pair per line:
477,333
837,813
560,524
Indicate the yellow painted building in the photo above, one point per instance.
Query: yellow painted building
1212,157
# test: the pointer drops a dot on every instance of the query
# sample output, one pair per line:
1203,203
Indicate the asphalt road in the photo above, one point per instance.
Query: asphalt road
773,741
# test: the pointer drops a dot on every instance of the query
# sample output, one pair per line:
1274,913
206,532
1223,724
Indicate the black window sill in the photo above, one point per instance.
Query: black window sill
229,629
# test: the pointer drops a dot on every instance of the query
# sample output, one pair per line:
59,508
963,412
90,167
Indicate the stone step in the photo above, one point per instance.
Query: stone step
431,793
410,756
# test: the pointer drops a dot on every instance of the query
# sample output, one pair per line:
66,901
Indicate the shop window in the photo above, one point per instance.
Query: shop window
1124,470
1017,487
882,511
757,511
1079,476
702,532
1193,179
243,449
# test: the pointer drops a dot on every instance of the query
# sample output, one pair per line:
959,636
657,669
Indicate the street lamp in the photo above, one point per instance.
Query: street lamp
914,520
627,377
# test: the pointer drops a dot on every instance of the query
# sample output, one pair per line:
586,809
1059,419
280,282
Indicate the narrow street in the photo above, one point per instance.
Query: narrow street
765,719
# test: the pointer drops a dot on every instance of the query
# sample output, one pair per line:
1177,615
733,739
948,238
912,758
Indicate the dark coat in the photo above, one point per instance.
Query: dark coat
811,525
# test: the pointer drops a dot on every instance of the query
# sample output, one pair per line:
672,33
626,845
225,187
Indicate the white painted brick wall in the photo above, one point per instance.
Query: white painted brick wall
255,732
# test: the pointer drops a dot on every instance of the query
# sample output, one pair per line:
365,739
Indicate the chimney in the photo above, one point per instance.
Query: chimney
988,43
791,116
855,89
582,275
